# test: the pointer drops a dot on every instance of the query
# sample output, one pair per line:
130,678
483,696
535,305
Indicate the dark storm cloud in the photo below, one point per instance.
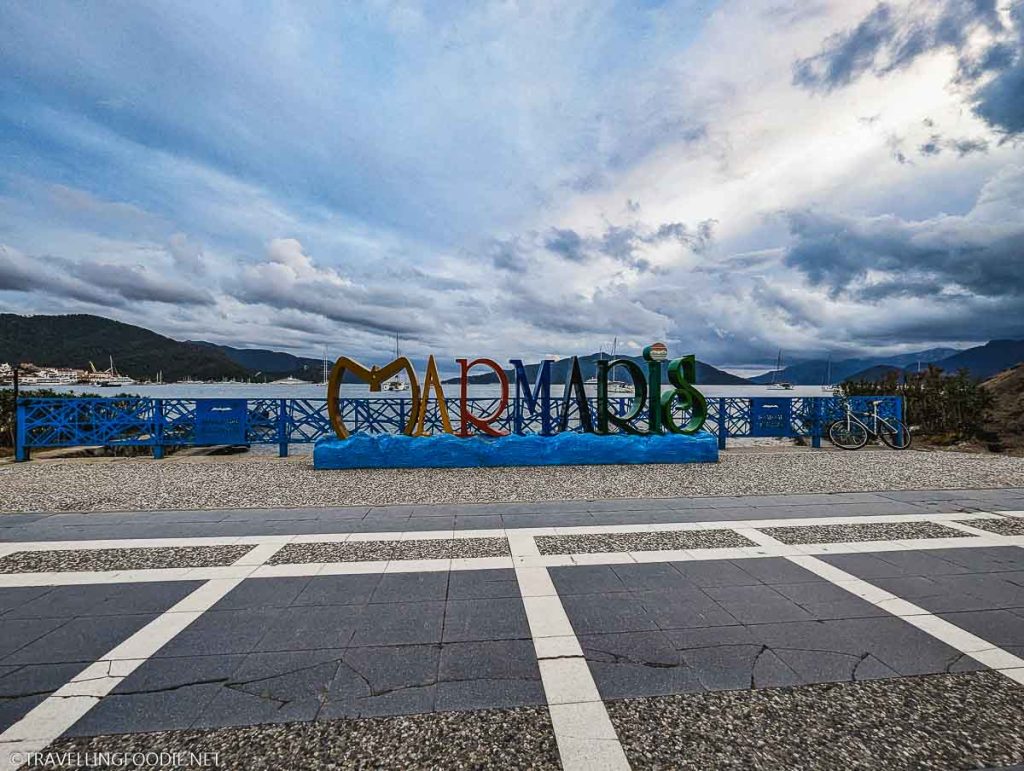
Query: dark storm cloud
567,243
94,282
847,55
979,252
887,40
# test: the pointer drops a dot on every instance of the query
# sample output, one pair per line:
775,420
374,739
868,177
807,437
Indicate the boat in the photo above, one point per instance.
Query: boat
395,383
782,385
828,386
620,387
108,378
289,381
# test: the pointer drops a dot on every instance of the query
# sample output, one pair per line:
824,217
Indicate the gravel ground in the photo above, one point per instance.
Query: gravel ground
588,544
895,531
120,559
499,739
133,484
1002,525
972,720
370,551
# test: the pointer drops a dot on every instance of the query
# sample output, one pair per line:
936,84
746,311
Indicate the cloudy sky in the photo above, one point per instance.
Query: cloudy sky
518,178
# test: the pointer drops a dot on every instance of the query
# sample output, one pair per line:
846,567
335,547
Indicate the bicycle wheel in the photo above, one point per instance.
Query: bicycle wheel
848,435
894,433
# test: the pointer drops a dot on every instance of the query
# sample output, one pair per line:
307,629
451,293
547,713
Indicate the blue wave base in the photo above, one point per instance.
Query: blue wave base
568,449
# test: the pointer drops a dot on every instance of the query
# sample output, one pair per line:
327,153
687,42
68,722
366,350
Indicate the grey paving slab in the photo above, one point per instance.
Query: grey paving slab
606,613
22,687
488,674
757,604
480,584
730,658
311,627
400,623
634,664
411,587
264,593
715,573
586,579
1003,628
338,590
683,608
218,632
20,632
391,680
774,570
897,644
16,596
162,694
485,619
823,600
654,575
79,639
272,688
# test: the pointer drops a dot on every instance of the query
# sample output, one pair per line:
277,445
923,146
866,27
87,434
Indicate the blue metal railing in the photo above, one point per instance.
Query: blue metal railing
163,423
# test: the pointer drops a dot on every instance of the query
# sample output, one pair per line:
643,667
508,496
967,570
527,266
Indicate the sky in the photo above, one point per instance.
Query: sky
519,178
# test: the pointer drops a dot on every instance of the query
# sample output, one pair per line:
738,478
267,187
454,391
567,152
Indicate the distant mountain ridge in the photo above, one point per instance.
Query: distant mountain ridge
706,374
816,371
75,340
981,362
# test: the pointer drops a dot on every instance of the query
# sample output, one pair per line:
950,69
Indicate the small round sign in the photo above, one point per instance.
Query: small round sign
657,352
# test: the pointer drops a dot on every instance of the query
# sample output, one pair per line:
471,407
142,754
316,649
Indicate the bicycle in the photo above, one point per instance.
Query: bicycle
852,433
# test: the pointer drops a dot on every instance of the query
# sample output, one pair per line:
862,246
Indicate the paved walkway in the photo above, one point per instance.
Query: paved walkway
857,630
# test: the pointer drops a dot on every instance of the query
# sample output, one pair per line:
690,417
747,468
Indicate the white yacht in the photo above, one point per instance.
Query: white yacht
396,383
615,387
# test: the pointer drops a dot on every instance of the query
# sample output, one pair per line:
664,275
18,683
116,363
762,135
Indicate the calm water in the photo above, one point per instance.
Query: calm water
270,391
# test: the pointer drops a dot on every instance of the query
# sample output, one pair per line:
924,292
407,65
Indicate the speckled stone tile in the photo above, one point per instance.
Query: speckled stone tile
369,551
971,720
649,541
887,531
520,738
1000,525
121,559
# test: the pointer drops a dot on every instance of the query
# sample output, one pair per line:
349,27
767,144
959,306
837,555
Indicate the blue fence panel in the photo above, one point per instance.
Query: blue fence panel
160,423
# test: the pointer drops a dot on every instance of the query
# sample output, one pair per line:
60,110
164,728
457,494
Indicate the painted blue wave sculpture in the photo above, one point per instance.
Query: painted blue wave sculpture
568,449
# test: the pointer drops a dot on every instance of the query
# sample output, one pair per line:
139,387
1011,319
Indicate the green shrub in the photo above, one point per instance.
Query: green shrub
943,407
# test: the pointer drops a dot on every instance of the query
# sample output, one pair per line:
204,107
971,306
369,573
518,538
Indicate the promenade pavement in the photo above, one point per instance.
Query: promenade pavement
852,630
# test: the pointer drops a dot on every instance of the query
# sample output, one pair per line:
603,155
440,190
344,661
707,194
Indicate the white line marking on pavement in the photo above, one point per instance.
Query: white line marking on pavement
520,558
583,730
65,706
955,637
426,535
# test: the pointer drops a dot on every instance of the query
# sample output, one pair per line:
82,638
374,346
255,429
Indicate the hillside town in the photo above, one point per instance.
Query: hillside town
31,375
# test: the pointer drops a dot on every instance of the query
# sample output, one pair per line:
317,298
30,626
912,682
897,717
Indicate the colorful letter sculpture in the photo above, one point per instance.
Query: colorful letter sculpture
648,431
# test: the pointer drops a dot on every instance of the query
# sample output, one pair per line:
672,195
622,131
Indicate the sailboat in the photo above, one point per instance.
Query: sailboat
110,378
614,386
781,385
396,383
828,386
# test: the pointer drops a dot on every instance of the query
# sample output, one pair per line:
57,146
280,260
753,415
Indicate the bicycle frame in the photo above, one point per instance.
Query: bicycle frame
876,419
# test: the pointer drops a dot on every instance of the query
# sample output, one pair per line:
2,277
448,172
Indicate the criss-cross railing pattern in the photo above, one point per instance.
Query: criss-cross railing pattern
161,423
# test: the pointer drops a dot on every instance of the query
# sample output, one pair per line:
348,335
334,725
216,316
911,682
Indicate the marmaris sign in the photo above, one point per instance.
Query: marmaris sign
646,390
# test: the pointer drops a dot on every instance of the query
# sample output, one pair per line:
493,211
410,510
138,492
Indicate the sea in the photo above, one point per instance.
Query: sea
357,390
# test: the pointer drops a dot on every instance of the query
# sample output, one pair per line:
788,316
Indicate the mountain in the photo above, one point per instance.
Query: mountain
271,363
706,374
815,371
1005,417
986,360
876,373
76,340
